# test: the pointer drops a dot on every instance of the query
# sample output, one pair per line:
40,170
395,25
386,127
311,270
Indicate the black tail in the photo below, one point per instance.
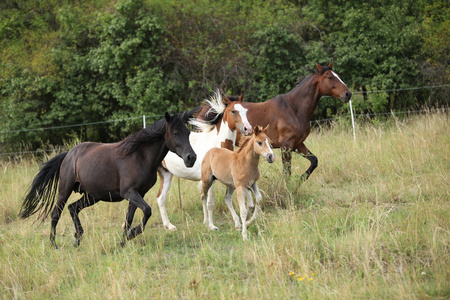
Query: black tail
42,192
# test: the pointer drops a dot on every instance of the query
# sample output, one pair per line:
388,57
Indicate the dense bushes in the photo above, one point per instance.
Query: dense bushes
69,62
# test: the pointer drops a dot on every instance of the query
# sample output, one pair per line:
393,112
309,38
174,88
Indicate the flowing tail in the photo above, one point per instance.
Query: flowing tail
42,192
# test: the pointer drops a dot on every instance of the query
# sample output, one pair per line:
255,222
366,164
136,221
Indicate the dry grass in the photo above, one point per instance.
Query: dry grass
371,222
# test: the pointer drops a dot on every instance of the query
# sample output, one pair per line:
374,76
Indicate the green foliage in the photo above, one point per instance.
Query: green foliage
71,62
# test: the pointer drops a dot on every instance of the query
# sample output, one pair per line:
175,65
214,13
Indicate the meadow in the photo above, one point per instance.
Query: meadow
372,222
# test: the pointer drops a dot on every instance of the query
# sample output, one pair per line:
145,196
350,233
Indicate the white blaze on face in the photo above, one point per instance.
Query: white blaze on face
268,146
337,76
243,113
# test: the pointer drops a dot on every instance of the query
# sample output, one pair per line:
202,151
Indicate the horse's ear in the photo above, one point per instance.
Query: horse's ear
257,129
331,64
319,67
226,100
241,97
266,130
168,117
191,114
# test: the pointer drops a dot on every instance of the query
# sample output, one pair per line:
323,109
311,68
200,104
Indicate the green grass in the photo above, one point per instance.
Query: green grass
371,222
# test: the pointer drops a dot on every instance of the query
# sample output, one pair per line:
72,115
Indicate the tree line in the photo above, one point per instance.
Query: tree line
70,61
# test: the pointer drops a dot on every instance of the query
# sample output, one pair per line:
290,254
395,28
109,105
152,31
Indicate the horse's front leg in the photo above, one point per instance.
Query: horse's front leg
229,202
128,221
241,191
309,156
165,181
258,198
286,156
136,199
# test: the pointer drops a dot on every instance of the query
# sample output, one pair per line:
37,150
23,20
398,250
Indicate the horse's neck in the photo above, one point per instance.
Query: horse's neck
154,152
305,97
225,136
249,156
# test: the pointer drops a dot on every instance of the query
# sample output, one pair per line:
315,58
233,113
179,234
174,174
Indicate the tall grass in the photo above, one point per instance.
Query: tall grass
371,222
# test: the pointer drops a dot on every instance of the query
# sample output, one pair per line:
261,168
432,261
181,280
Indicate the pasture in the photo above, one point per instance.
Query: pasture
373,221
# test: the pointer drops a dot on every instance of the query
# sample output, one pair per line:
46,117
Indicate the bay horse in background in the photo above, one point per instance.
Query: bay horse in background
237,170
289,115
225,117
108,172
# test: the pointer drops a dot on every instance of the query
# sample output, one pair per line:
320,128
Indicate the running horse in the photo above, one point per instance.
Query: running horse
108,172
289,115
226,116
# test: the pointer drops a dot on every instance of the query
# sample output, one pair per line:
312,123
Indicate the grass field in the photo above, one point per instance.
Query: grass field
372,222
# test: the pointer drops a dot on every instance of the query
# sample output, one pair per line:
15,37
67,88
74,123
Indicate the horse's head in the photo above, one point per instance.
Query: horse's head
261,143
177,137
235,115
331,84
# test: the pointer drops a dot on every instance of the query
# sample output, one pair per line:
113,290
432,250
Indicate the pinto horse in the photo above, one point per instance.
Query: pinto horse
108,172
239,171
289,115
225,118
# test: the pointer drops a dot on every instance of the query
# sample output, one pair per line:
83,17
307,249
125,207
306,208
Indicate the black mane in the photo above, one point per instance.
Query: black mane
146,135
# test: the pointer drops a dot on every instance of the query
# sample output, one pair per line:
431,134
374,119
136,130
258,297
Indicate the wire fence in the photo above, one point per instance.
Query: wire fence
144,117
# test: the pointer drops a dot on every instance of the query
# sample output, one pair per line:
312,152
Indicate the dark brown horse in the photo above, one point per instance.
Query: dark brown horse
289,115
108,172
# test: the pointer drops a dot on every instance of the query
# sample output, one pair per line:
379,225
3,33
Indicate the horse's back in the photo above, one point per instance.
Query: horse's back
219,162
94,167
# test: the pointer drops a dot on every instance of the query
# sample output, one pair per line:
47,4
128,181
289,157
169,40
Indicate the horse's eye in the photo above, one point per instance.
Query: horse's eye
330,77
175,133
233,112
259,143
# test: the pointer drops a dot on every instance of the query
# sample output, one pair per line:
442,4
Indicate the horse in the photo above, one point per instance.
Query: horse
289,115
108,172
237,170
226,116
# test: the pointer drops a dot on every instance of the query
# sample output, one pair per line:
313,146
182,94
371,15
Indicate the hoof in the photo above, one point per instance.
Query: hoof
214,228
238,227
75,242
171,227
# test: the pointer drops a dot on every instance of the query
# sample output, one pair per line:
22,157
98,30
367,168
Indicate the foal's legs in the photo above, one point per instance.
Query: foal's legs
210,207
229,202
241,191
258,198
75,208
207,196
165,181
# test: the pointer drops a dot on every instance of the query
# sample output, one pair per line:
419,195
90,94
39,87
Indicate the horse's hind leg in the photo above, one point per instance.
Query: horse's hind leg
75,208
165,181
56,215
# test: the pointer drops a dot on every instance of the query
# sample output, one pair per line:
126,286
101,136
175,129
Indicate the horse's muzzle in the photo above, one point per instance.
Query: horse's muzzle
189,160
346,96
270,158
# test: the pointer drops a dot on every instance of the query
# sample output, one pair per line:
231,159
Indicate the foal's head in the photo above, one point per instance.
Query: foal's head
331,84
261,143
177,137
235,115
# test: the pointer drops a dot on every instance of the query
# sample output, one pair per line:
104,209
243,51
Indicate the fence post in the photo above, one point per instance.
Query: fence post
143,120
353,121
